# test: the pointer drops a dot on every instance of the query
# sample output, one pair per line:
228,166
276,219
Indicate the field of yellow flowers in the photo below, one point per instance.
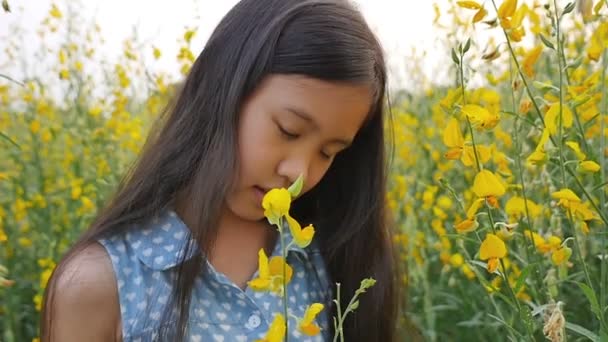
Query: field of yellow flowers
498,183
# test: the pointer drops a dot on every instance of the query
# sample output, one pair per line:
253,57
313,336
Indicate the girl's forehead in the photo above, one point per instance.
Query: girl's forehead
321,102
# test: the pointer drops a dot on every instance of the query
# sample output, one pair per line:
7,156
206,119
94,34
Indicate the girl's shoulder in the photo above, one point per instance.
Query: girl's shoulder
84,298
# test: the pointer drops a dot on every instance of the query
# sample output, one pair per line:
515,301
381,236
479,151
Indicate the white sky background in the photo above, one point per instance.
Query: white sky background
400,25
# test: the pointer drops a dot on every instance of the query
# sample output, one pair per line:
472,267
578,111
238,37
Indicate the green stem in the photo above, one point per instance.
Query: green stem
603,275
283,252
528,239
561,155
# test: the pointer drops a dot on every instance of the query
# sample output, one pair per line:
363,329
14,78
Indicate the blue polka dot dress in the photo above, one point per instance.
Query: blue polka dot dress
145,259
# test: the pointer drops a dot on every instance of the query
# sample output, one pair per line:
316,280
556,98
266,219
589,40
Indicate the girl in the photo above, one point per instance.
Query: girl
282,88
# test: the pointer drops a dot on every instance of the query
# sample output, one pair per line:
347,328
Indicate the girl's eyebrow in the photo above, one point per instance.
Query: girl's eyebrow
307,117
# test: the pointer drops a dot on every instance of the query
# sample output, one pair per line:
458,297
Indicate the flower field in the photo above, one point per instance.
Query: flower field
498,182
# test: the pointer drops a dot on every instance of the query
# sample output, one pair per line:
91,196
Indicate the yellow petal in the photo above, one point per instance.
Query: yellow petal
487,184
302,237
530,59
479,15
516,208
582,211
467,225
259,284
276,268
453,153
469,4
474,208
452,136
492,265
598,6
577,150
276,203
561,256
277,329
552,118
537,157
492,247
566,194
306,324
590,166
480,117
507,8
539,241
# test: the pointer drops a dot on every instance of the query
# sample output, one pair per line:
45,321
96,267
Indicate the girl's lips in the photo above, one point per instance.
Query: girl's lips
259,192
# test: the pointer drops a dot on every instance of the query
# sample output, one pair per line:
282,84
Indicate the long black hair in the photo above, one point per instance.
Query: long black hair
193,150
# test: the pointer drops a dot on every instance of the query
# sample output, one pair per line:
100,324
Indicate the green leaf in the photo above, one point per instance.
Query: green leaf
568,9
522,278
467,45
5,6
296,187
355,305
590,294
582,331
546,42
455,57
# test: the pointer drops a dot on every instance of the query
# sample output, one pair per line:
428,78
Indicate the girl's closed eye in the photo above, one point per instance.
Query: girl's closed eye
288,134
292,136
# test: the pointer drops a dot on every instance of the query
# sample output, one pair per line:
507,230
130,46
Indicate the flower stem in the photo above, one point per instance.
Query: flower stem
604,106
283,252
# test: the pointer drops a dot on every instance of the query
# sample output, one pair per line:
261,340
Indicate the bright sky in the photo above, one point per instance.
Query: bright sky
399,24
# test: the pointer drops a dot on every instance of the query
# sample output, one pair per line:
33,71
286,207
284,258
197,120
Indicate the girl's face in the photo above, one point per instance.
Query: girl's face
292,125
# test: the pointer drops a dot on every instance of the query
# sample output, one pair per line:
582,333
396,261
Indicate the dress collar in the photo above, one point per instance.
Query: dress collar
161,243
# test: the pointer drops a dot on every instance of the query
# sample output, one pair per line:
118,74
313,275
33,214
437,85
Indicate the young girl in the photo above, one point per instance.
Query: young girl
283,88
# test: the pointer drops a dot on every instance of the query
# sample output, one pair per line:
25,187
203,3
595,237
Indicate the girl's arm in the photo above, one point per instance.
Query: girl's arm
85,306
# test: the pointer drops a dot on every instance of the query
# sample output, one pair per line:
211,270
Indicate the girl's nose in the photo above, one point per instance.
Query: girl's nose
292,168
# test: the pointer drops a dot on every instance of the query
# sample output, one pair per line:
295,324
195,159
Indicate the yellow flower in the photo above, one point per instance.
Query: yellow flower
582,211
530,59
469,4
467,271
156,52
452,138
480,117
492,249
456,260
590,166
35,126
516,207
44,277
479,15
539,241
276,203
552,118
3,237
506,11
577,150
270,275
483,154
565,196
599,39
561,256
302,237
24,242
467,225
537,157
474,208
307,325
276,332
55,12
188,35
64,74
487,184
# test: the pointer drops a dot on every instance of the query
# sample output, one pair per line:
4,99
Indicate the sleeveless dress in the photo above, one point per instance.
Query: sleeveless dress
144,260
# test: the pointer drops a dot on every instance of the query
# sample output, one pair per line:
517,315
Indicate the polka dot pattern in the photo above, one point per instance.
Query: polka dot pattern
145,257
